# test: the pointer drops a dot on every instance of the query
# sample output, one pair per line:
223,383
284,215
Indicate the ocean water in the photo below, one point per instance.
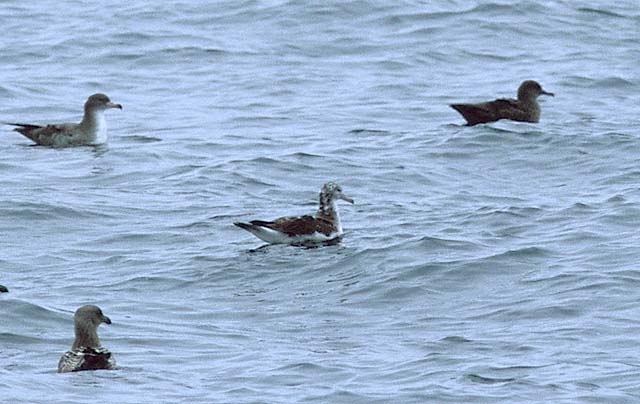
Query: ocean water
487,264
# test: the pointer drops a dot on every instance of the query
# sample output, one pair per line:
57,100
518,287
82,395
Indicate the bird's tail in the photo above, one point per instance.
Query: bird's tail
22,125
472,113
242,225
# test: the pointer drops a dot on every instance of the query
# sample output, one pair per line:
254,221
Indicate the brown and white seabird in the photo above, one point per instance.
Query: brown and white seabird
524,109
323,227
92,130
86,352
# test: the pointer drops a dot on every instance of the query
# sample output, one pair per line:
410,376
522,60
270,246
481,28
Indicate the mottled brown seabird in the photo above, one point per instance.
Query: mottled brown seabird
92,130
86,352
524,109
322,228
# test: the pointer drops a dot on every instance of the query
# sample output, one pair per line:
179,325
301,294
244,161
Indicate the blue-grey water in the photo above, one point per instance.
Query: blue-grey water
487,264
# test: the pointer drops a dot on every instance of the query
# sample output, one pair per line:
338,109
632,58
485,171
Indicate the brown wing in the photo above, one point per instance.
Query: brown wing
298,225
505,108
490,111
40,134
475,113
96,359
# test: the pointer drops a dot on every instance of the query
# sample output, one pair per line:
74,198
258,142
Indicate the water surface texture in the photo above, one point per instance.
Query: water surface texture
487,264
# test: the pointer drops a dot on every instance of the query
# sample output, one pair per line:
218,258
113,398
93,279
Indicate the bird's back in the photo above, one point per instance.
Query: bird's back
492,111
63,134
86,359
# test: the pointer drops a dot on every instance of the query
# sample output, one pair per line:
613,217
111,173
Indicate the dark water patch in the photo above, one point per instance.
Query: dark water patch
257,119
434,244
141,139
455,339
373,132
342,395
525,253
486,56
191,51
508,212
598,82
394,65
569,310
591,286
488,380
601,12
306,367
156,283
504,8
400,19
397,294
305,156
610,83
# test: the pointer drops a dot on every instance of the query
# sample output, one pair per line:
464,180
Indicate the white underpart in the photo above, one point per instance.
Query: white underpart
99,128
275,237
336,222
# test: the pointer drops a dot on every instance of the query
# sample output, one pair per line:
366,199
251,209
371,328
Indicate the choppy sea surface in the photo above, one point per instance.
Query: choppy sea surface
487,264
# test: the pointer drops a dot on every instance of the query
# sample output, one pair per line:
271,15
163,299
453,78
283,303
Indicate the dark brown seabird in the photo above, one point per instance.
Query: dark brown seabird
92,130
86,352
322,228
524,109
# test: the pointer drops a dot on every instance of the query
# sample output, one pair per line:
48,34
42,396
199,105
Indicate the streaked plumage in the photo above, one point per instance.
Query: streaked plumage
524,109
323,227
86,352
92,130
85,358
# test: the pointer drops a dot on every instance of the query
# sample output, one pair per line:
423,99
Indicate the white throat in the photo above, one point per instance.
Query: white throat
94,125
100,127
336,219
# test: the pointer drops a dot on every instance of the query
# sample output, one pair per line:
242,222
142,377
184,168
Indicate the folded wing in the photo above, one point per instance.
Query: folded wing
491,111
296,226
43,135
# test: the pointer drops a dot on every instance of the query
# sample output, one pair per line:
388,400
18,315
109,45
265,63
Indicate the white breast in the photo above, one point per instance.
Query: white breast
100,129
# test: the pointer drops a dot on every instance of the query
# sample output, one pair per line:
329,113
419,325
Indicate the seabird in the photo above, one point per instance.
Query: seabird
86,352
3,289
323,227
524,109
92,130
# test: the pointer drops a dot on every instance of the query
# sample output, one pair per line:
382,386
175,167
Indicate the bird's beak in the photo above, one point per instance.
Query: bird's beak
546,93
346,198
113,105
106,320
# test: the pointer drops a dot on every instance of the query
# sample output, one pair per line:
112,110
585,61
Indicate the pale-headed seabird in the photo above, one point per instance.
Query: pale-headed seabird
86,352
524,109
324,227
92,130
